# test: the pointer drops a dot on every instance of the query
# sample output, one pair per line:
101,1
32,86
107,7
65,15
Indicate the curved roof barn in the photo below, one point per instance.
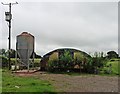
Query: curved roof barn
55,54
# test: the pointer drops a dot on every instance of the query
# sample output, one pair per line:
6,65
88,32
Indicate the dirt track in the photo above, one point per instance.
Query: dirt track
67,83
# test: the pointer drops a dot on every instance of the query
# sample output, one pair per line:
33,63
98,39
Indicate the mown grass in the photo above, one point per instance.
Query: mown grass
13,83
115,66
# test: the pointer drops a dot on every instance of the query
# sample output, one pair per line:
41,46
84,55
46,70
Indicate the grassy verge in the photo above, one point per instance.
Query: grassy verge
13,83
0,80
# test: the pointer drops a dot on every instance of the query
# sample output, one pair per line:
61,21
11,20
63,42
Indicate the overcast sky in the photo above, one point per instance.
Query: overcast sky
87,26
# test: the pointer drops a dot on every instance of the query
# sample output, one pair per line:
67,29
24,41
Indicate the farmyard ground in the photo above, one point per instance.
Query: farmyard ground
78,83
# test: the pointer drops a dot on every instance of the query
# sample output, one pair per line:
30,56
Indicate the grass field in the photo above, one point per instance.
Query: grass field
13,83
115,66
36,60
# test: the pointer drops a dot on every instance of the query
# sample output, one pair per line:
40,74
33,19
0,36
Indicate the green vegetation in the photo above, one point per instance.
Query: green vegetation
13,83
112,54
4,58
95,64
114,66
62,64
66,60
98,64
3,61
102,71
79,62
0,80
36,62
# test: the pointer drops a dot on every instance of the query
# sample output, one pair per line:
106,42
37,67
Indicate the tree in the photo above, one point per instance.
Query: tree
95,63
3,52
12,53
66,60
3,61
35,55
112,54
53,65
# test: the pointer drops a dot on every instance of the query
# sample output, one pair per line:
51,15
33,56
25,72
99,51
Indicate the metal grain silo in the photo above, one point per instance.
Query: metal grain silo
25,47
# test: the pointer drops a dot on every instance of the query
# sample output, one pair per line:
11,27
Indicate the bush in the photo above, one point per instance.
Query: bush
66,60
95,64
63,64
3,61
88,66
53,65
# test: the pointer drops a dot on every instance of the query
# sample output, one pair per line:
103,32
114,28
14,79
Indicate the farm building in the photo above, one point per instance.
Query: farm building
78,58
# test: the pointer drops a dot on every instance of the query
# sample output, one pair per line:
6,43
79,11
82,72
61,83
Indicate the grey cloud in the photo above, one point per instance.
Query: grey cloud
87,26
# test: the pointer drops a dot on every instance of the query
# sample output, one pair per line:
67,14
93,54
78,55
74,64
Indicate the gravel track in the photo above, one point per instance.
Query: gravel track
83,83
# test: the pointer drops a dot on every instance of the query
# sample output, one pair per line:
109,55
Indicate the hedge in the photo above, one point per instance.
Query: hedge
3,61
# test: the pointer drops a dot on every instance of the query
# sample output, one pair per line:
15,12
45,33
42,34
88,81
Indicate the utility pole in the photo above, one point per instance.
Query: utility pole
8,19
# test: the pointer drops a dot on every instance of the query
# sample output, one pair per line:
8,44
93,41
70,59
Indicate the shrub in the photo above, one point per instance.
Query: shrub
66,60
64,63
53,65
3,61
95,64
88,66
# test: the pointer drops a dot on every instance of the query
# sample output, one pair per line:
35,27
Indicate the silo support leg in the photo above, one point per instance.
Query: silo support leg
16,60
28,60
28,65
33,61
